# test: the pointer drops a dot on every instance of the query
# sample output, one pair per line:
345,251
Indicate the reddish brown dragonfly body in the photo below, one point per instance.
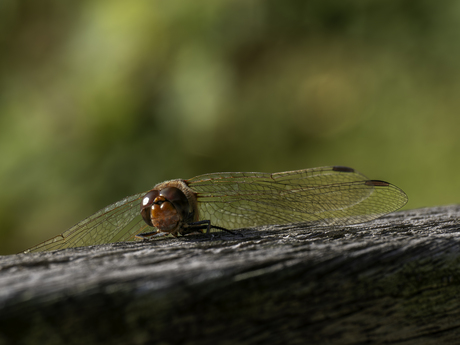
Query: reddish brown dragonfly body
226,201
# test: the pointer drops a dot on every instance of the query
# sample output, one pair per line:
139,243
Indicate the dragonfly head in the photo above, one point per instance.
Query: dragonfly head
165,209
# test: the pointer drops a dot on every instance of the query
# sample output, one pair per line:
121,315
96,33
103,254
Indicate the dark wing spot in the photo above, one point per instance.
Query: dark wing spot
377,183
343,169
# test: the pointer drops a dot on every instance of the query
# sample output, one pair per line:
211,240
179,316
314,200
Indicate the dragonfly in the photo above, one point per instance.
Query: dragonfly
334,196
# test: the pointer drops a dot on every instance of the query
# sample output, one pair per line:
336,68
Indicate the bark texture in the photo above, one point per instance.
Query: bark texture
393,280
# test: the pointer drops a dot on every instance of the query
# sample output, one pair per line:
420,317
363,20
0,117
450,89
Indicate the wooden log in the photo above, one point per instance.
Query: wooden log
393,280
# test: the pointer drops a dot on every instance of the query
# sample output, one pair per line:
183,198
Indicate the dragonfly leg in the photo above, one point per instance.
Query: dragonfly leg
145,236
204,224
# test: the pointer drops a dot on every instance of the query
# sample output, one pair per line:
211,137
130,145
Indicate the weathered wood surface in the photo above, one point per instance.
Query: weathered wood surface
394,280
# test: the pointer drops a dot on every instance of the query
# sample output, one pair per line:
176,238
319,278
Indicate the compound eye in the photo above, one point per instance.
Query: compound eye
146,204
178,199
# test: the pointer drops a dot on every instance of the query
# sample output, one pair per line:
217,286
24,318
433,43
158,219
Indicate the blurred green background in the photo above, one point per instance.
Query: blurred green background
103,99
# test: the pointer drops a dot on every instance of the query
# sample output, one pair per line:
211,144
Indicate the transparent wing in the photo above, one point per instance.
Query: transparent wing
120,221
329,195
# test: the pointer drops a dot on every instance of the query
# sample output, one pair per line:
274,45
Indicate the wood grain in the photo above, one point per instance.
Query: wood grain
393,280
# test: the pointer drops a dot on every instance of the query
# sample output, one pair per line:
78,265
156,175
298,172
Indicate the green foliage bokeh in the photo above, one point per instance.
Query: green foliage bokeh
100,100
